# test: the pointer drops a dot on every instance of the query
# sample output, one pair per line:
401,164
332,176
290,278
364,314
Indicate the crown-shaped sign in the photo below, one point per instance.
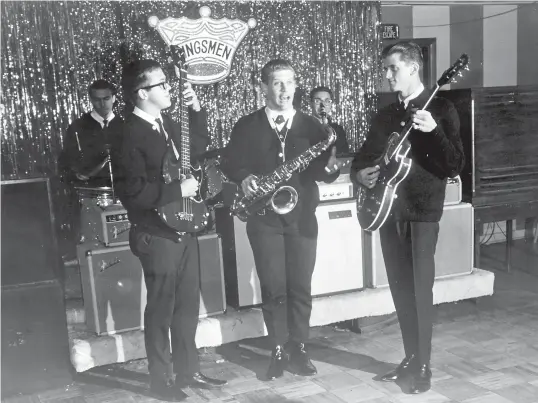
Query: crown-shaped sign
209,44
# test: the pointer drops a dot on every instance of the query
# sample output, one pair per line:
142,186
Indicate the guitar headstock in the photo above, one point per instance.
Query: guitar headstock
456,69
177,56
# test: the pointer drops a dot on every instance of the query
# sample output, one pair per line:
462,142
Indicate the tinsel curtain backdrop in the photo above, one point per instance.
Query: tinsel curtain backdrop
51,51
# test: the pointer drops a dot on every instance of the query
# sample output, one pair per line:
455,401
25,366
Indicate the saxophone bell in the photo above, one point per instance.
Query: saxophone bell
284,199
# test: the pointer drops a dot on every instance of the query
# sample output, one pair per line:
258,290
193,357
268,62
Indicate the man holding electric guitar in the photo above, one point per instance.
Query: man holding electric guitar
164,237
409,233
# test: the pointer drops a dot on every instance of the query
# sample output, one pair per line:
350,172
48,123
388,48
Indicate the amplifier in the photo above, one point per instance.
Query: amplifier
339,259
115,294
108,225
340,189
115,226
453,191
453,255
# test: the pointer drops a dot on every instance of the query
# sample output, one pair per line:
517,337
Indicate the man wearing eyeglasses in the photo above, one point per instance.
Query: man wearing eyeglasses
321,101
169,259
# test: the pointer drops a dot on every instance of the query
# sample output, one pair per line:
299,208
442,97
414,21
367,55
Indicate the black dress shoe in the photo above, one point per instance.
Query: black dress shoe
401,370
422,380
299,362
279,361
199,380
167,390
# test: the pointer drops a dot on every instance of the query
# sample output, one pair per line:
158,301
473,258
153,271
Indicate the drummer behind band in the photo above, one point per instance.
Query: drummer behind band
83,161
87,143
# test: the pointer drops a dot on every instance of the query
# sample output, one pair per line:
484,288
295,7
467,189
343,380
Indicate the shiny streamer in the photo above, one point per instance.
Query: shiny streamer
52,51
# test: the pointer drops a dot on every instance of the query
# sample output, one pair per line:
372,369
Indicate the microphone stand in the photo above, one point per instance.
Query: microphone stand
107,148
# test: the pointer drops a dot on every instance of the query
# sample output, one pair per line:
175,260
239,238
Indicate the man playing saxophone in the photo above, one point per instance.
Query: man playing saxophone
283,235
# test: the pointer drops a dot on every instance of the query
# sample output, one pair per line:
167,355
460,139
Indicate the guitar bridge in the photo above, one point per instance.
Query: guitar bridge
184,216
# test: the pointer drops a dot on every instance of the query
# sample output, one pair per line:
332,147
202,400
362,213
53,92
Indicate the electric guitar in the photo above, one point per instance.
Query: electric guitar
190,214
374,205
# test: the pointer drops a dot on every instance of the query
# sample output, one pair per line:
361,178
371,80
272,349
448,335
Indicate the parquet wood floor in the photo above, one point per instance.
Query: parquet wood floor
484,351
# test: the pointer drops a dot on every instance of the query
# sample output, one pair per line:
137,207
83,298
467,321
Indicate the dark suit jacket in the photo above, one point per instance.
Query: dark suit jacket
93,140
140,184
254,149
436,156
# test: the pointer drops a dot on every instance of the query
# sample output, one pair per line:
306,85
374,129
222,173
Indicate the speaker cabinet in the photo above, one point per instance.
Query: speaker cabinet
454,252
113,289
35,347
115,294
338,258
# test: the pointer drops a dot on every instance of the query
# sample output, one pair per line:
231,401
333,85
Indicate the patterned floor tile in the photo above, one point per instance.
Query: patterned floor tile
429,397
260,396
526,371
336,381
239,386
326,397
458,389
359,393
521,393
463,368
299,389
495,380
487,398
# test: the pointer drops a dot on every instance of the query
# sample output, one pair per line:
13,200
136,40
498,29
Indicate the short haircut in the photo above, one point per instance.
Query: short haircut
409,52
134,75
101,85
321,88
275,65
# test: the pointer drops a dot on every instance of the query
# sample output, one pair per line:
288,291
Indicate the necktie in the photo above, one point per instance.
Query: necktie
161,128
279,119
105,123
169,141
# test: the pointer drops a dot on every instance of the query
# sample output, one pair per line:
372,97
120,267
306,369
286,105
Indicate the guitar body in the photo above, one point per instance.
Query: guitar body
374,205
189,214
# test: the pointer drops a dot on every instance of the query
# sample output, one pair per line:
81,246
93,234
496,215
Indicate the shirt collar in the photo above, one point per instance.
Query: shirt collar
272,115
414,95
100,119
147,117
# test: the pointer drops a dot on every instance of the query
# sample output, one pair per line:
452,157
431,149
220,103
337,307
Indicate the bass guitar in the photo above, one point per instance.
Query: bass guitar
190,214
374,205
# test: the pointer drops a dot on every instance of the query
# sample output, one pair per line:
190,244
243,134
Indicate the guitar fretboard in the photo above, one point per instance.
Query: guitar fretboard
185,136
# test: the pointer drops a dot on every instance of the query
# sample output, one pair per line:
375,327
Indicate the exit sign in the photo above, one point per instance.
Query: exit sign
390,31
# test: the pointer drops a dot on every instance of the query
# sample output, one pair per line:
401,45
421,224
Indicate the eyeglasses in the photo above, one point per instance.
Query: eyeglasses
318,101
163,86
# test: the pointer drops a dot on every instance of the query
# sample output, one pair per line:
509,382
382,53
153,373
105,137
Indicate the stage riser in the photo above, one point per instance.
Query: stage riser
89,350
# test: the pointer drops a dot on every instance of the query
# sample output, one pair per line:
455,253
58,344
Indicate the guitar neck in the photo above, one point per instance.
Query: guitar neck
185,136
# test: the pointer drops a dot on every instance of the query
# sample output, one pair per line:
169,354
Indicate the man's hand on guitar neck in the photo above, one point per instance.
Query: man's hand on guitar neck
423,121
190,97
189,186
368,176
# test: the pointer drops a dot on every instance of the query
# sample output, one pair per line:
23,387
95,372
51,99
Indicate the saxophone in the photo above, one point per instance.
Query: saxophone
281,199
